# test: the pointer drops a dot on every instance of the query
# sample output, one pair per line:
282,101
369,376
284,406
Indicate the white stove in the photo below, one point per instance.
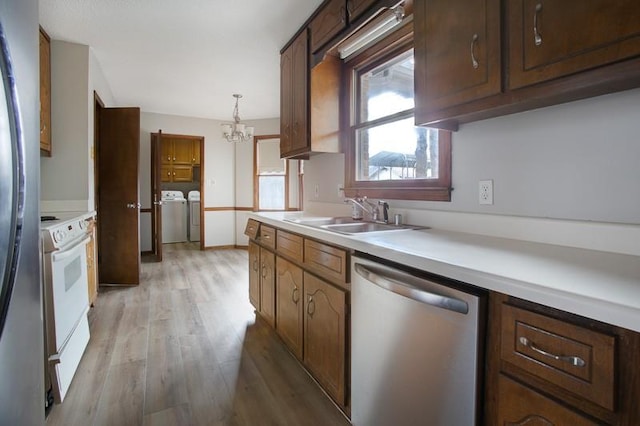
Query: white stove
65,236
63,228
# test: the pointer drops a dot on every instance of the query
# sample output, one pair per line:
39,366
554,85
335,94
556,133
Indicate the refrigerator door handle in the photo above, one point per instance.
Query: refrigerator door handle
412,292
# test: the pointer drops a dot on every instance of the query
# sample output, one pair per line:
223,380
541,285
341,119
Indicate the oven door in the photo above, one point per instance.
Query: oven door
69,290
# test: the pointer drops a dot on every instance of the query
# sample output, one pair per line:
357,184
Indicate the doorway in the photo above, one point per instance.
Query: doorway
178,161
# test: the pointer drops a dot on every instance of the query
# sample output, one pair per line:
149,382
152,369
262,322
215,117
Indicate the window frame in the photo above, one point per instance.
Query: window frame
287,178
407,189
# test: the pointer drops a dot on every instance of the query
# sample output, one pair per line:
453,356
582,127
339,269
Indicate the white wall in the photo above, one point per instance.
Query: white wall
577,161
67,177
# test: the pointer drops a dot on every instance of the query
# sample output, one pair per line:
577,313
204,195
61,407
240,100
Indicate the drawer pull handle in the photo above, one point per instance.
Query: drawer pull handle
474,61
295,299
573,360
537,38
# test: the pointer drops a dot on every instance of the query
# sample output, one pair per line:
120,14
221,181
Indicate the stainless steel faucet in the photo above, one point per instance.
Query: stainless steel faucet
370,208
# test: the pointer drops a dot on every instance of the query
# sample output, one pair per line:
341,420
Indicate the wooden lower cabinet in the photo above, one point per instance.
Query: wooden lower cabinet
289,301
324,334
254,275
267,286
520,405
262,295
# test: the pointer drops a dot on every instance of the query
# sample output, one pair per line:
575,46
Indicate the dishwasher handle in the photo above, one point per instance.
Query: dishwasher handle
412,292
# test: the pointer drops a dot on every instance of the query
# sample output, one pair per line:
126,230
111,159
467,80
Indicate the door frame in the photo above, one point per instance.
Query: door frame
156,166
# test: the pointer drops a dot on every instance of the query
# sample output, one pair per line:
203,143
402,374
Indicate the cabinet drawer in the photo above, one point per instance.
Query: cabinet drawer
572,357
251,230
328,261
268,236
289,245
520,405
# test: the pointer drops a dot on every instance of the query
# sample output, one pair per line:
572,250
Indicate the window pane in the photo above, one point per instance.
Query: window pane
387,89
271,192
396,151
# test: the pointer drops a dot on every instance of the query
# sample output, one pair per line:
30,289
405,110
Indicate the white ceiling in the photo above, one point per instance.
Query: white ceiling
184,57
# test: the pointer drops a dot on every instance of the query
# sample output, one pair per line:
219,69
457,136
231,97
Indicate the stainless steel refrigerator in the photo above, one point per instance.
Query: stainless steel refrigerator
21,341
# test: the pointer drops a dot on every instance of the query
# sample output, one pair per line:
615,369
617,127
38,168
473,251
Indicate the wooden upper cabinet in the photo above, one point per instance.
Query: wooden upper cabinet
182,151
355,8
294,126
196,152
457,53
166,149
551,39
331,19
334,17
286,100
45,93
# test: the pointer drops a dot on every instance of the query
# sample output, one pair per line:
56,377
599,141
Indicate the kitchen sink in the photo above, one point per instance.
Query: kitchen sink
346,225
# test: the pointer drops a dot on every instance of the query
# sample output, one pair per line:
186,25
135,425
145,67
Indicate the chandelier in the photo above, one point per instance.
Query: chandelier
237,132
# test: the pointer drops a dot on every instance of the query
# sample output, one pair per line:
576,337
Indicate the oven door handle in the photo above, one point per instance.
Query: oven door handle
69,251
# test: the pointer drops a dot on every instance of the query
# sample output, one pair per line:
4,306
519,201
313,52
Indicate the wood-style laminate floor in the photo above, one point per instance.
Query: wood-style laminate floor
184,348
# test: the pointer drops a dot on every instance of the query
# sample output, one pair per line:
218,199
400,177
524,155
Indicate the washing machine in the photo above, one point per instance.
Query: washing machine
194,215
174,217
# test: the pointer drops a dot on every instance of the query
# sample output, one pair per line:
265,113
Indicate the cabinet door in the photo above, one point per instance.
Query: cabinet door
182,174
286,100
457,53
166,148
195,149
267,286
167,172
355,8
45,93
520,405
300,108
551,39
254,275
289,301
182,151
328,23
324,335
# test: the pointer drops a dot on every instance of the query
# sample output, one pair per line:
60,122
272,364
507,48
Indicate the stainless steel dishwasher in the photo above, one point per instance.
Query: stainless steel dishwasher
415,346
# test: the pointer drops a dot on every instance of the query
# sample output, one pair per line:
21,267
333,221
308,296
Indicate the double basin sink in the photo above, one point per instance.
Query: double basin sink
349,226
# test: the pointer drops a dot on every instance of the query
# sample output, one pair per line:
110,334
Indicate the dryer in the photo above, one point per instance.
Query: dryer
194,215
174,217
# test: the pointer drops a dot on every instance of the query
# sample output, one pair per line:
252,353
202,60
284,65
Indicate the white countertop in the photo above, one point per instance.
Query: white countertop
600,285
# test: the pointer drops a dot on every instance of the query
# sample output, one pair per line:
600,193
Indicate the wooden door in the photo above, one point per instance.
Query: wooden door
324,334
45,93
268,286
254,275
289,301
551,39
118,214
157,177
457,53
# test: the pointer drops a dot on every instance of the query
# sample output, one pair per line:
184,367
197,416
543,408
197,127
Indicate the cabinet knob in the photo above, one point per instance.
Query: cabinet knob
295,299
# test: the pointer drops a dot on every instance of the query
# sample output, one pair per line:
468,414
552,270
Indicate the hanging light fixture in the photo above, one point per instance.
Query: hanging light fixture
237,132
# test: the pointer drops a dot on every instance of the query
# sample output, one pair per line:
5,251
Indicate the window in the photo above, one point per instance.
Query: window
274,177
387,156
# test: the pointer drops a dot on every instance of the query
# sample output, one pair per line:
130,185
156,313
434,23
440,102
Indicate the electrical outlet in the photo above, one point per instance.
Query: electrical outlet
340,191
316,191
485,192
